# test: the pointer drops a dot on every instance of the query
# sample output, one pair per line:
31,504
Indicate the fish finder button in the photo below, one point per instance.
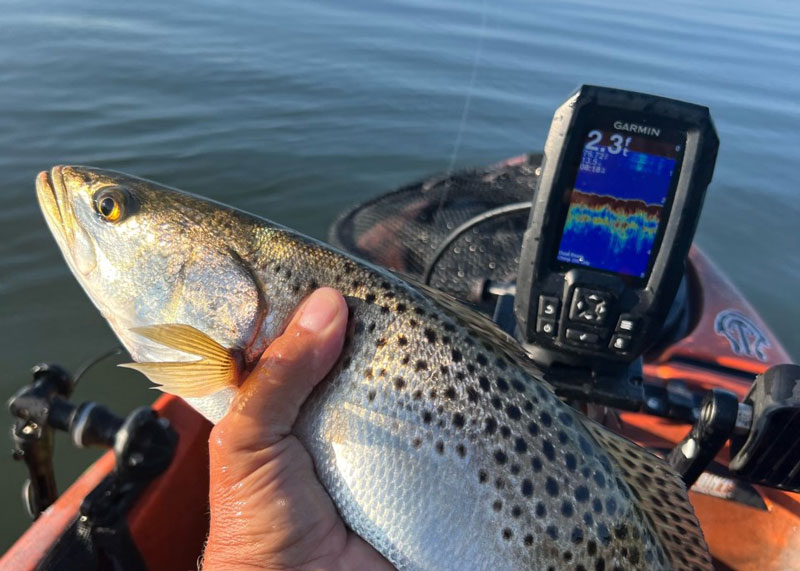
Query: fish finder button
548,306
589,306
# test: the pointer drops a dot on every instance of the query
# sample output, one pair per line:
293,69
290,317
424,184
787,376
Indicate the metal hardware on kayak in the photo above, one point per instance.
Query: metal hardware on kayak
143,447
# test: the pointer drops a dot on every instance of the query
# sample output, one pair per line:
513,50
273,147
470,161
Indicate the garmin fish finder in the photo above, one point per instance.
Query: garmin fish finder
622,184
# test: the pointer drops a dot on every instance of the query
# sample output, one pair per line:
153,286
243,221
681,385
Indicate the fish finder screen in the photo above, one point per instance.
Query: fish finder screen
617,202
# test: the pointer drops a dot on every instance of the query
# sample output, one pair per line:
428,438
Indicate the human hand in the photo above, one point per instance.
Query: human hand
268,509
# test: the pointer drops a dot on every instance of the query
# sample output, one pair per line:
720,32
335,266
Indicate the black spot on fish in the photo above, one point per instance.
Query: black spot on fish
460,450
490,425
621,531
405,360
460,375
457,356
518,386
399,383
566,509
482,360
528,406
371,327
611,506
505,431
545,417
356,284
402,340
570,461
430,335
412,323
515,469
450,392
600,479
371,395
549,450
541,510
416,443
603,534
516,511
597,506
587,447
528,540
588,519
449,326
496,403
440,447
507,534
497,505
432,393
419,311
551,486
386,285
500,456
501,363
482,476
536,464
484,384
458,420
533,428
513,412
368,372
472,395
600,564
582,494
380,342
470,368
417,395
502,384
520,446
446,339
400,307
427,417
526,488
420,365
552,532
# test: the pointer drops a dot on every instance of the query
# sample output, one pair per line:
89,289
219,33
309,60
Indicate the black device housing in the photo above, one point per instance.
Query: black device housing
547,289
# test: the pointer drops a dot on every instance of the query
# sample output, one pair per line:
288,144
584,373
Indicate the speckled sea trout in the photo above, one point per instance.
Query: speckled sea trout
439,442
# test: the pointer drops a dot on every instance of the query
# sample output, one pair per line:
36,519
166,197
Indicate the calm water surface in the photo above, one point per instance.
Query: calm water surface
295,110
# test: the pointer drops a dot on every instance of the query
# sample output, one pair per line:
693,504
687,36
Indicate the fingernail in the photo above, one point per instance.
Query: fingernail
319,311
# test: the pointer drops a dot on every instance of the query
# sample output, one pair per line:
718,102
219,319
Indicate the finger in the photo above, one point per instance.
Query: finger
267,403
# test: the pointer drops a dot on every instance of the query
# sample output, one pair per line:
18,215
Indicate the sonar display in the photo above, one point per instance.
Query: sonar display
617,203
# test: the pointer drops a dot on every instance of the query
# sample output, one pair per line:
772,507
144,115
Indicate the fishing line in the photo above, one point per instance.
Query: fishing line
94,361
467,100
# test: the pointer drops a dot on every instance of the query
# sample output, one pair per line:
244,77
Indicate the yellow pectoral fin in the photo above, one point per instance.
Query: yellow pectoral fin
216,369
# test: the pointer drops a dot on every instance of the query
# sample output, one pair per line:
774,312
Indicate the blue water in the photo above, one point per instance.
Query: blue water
295,110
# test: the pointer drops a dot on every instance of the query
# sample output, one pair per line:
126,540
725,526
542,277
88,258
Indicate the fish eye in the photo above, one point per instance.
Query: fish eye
111,203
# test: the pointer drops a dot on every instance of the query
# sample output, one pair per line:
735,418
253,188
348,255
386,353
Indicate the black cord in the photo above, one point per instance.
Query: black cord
92,362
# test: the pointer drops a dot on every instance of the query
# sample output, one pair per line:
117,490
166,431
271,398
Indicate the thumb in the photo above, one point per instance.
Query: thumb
267,403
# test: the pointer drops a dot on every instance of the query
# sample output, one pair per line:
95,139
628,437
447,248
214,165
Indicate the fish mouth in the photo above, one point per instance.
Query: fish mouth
52,195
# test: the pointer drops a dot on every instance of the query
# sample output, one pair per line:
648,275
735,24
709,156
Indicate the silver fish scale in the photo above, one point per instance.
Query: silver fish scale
443,453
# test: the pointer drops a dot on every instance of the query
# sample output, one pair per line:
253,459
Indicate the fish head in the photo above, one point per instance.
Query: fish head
148,255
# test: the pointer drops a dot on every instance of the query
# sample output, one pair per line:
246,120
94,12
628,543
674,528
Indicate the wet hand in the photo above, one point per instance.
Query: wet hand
268,509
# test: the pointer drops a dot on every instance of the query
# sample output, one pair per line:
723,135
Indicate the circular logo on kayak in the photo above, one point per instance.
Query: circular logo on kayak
745,337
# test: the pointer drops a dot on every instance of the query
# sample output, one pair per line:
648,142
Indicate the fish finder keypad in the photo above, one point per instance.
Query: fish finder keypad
589,306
